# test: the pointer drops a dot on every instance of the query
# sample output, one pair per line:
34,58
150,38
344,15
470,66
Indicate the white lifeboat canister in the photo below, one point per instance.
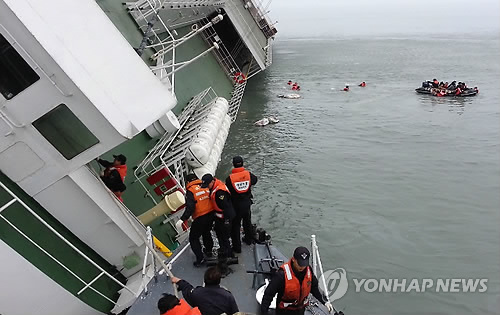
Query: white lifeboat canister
198,152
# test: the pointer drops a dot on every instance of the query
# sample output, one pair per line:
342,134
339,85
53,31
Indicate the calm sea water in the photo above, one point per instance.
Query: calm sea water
394,184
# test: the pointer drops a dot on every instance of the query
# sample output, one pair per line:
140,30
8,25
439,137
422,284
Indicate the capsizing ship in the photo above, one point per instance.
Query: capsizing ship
158,81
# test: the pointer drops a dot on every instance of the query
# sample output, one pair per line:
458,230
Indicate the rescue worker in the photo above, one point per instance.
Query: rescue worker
114,174
240,183
224,212
362,84
346,89
435,83
293,282
170,305
211,298
198,206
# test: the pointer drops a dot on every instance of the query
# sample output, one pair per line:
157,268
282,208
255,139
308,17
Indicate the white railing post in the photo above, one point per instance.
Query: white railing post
76,249
313,247
318,262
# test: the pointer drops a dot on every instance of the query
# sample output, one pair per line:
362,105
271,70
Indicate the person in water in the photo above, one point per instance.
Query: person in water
346,89
362,84
289,82
298,88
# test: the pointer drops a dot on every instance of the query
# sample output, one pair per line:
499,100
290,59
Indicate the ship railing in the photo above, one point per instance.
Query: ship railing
236,8
161,40
316,264
146,16
222,55
87,285
169,151
253,68
145,233
269,52
260,16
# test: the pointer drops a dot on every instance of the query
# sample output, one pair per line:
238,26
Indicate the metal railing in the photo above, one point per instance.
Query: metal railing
144,9
170,150
260,17
222,55
87,285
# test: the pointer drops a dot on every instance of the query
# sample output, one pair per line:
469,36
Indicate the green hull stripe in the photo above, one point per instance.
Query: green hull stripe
24,221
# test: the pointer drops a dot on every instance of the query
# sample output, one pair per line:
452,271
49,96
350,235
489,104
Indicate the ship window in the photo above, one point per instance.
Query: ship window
65,131
15,74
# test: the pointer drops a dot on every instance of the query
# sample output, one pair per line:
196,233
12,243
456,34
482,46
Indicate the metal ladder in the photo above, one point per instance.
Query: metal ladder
235,101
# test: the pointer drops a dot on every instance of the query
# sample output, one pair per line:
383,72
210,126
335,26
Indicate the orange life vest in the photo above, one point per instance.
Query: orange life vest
122,169
183,309
218,185
240,178
201,197
295,293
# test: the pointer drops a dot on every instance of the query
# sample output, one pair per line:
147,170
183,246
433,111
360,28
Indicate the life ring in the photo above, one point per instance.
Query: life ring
240,78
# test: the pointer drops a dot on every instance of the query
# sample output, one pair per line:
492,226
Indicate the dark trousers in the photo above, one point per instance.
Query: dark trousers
244,214
223,233
201,227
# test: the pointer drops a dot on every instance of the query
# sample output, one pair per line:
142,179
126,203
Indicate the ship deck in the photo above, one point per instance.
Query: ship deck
239,282
190,81
242,285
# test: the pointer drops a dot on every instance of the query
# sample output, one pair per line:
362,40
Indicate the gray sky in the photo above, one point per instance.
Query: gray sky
338,18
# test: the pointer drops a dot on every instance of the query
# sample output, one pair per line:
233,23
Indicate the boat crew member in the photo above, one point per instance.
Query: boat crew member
362,84
293,282
435,83
240,184
170,305
198,206
224,212
211,298
114,174
346,88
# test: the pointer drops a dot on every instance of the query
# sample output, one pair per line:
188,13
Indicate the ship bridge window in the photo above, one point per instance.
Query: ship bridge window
65,131
15,74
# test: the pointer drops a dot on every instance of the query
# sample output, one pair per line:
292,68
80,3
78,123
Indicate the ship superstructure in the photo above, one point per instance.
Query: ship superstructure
86,79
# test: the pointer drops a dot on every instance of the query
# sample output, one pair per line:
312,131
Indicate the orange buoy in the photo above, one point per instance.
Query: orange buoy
240,78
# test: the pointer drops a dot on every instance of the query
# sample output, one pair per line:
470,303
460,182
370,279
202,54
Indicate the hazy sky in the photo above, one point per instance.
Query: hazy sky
320,18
